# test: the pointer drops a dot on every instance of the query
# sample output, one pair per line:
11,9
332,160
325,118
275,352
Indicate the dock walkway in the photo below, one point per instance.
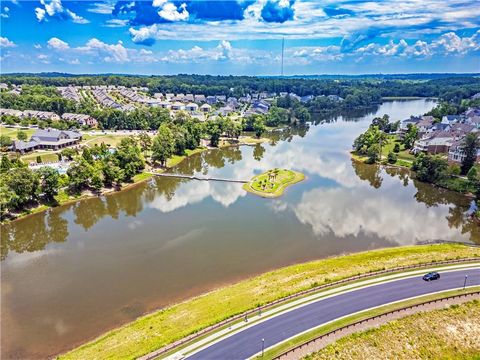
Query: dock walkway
194,177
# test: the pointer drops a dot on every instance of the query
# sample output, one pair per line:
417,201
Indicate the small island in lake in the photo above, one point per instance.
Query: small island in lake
273,182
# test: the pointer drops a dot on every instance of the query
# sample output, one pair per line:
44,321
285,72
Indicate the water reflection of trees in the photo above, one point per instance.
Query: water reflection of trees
427,194
33,233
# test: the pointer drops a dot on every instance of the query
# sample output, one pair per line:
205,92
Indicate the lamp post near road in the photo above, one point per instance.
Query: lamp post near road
465,282
263,346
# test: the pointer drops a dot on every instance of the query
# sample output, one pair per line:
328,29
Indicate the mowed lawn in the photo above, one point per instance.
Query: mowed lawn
451,333
12,132
153,331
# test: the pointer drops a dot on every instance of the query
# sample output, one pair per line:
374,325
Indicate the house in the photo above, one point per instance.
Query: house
11,112
224,110
158,96
335,98
211,100
81,119
189,98
200,98
3,86
48,139
191,107
425,124
169,96
40,115
179,97
456,153
221,98
450,119
434,143
307,98
177,105
232,102
205,108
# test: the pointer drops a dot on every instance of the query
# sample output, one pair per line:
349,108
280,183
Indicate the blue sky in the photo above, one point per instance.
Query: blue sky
240,36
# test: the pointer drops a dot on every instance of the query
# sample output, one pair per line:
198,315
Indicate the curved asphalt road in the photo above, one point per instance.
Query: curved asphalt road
249,341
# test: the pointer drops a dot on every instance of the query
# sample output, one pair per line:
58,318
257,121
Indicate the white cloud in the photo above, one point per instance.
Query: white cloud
40,14
116,23
109,52
452,43
170,12
37,46
101,8
5,43
57,44
5,11
55,8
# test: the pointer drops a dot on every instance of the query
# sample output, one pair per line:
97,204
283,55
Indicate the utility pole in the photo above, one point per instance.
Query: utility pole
263,346
283,49
465,282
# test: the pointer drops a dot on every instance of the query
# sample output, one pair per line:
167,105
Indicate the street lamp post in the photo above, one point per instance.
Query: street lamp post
465,282
263,346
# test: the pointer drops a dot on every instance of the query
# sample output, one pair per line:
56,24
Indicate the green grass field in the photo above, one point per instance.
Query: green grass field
12,132
450,333
165,326
272,183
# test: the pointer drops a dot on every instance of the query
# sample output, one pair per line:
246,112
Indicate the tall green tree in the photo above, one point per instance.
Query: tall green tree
129,158
470,147
163,145
49,182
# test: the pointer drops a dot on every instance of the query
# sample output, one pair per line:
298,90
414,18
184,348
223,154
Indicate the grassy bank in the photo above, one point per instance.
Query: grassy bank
153,331
272,183
451,333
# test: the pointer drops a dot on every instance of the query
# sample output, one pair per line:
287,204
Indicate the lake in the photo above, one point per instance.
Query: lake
76,271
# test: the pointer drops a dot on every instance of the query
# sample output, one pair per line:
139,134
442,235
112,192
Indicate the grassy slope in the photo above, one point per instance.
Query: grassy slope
452,333
153,331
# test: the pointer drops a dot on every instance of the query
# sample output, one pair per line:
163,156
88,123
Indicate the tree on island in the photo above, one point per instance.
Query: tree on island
259,126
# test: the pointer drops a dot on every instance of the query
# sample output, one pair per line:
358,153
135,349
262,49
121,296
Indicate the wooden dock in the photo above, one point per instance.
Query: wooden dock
201,178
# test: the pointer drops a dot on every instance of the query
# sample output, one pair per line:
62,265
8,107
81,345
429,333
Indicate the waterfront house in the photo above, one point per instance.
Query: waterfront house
456,153
434,143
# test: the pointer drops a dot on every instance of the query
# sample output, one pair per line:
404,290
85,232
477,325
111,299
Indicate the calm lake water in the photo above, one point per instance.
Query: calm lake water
76,271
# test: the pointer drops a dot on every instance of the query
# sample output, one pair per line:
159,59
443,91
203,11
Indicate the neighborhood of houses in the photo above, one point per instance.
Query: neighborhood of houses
444,137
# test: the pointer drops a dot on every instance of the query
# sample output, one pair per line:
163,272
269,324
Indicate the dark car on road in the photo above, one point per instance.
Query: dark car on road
431,276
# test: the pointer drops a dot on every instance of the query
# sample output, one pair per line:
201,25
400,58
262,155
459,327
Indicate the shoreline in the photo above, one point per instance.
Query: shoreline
143,177
361,160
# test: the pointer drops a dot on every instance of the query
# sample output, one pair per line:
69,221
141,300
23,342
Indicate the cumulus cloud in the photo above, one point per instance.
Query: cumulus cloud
57,44
55,9
109,52
170,12
5,43
278,11
452,43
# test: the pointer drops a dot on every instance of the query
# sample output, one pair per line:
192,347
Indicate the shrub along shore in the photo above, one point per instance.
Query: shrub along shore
167,325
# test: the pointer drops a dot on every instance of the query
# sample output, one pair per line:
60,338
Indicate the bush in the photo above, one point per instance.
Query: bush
454,169
396,148
39,159
392,157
